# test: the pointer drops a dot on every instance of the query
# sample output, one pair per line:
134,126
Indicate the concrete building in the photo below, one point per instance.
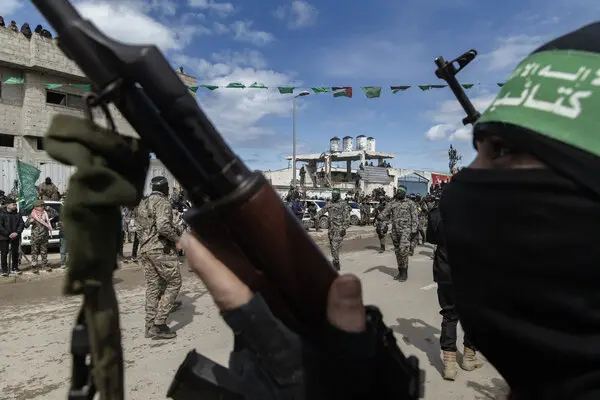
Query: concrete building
319,174
26,109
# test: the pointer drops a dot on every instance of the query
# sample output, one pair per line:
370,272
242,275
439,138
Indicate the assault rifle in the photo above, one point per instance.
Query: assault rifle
236,211
447,70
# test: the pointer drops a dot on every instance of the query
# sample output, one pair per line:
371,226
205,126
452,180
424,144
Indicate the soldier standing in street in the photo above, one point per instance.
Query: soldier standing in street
339,221
365,211
414,238
402,213
312,211
41,227
158,239
381,226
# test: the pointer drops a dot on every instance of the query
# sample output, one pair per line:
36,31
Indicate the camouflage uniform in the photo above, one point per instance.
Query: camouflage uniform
365,213
381,226
48,191
312,211
414,238
339,221
39,240
157,236
402,213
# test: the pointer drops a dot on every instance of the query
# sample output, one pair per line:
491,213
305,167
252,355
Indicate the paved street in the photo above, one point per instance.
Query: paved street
35,324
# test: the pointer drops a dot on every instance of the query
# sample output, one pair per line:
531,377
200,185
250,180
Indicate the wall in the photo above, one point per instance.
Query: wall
8,173
158,169
59,173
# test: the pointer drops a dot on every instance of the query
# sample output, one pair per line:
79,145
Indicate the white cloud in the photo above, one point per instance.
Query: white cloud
244,33
239,113
223,8
9,7
511,51
448,119
127,22
220,29
299,14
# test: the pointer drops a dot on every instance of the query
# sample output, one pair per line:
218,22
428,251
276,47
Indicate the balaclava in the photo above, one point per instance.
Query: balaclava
523,243
400,193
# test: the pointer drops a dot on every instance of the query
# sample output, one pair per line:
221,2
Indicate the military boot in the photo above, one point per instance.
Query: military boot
161,332
402,275
450,369
382,248
336,265
470,361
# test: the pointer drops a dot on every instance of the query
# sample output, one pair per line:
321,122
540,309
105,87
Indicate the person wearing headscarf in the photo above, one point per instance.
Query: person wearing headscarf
521,225
41,229
11,227
26,30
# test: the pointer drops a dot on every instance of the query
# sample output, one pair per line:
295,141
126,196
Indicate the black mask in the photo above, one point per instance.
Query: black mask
524,247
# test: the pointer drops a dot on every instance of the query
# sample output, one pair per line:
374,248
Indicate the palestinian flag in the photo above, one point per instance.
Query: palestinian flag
342,91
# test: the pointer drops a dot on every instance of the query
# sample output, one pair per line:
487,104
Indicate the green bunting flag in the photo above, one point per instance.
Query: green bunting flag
396,89
372,91
257,85
236,85
286,90
342,91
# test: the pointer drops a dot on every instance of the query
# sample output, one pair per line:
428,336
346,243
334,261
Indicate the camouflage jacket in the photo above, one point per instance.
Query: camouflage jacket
339,215
38,230
402,214
380,223
312,209
154,225
48,192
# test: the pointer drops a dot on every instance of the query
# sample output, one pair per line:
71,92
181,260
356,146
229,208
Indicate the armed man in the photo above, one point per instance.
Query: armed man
158,238
48,190
381,226
339,221
312,211
365,211
402,213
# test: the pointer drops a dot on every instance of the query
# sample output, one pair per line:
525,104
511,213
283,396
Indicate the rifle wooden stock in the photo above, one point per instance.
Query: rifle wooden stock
272,253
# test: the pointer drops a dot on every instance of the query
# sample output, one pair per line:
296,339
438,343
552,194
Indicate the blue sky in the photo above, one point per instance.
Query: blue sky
336,43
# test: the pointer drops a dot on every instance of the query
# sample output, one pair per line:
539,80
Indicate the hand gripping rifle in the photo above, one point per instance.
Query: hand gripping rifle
267,247
448,71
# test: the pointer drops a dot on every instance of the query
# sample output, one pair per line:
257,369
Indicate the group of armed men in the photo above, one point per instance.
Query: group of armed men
407,214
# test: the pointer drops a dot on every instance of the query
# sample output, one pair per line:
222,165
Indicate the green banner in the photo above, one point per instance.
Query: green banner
28,194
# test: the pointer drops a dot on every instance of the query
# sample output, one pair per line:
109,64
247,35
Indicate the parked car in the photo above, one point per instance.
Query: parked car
324,220
53,240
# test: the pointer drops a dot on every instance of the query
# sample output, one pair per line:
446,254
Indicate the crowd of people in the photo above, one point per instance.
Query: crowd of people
25,29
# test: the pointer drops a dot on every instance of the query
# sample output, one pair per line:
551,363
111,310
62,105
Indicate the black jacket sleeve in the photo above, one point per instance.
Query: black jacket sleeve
432,234
20,224
3,225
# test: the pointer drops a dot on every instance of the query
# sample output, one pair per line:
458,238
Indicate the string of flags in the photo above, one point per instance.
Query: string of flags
337,91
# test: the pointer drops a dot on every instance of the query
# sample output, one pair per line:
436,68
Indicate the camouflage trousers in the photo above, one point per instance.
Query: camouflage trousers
401,248
364,218
381,230
39,247
163,282
335,242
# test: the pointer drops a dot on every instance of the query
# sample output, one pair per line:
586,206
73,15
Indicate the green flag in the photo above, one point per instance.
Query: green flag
467,85
257,85
321,89
28,176
372,91
194,89
286,90
236,85
53,85
424,87
209,87
437,86
342,91
396,89
86,87
500,84
13,81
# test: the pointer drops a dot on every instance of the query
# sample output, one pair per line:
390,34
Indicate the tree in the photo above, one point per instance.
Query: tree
453,158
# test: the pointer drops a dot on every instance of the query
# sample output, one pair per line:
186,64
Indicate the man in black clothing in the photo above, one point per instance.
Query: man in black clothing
445,292
11,227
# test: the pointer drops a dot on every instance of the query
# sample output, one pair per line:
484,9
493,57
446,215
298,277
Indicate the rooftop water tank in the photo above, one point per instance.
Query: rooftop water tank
361,142
334,144
348,143
371,143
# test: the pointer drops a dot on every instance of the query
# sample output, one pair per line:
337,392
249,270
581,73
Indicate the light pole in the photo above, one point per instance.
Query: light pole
303,93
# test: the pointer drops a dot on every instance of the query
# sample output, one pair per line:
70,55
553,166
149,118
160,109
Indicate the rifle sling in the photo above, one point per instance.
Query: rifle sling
110,172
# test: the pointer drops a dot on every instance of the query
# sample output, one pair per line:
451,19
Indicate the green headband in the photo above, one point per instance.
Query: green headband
555,93
402,189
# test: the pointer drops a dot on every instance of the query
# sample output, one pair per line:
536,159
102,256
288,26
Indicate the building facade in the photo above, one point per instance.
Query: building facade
39,82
